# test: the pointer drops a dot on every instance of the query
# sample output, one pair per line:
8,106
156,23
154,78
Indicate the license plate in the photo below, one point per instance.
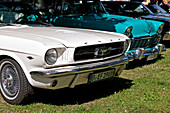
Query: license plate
152,57
101,75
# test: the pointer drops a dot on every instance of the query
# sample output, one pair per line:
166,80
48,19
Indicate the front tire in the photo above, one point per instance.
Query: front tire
14,86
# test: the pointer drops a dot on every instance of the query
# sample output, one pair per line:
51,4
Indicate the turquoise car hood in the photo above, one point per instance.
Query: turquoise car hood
140,27
108,22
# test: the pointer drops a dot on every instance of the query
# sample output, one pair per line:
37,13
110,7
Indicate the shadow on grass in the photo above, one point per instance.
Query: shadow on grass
139,63
82,93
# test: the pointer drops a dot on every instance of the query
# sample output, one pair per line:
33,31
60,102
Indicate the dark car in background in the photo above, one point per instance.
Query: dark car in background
90,14
20,13
158,10
137,10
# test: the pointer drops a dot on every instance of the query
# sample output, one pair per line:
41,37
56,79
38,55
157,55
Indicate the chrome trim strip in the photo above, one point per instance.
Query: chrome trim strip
145,37
78,70
85,61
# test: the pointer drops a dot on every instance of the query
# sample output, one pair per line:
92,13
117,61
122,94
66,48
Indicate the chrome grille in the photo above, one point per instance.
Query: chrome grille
144,42
98,51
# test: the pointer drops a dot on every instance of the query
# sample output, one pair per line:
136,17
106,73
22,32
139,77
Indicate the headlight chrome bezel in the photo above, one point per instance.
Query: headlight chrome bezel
51,56
160,29
128,32
126,45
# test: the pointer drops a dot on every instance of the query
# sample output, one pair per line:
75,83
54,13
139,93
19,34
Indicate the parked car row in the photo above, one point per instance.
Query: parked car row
86,45
139,10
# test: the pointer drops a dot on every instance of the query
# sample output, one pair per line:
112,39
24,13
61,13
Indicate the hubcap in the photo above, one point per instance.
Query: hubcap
9,79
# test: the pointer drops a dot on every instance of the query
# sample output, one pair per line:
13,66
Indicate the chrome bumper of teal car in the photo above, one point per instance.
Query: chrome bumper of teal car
80,74
149,53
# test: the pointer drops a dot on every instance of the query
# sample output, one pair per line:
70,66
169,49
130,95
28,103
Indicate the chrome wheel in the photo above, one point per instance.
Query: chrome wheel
14,86
9,78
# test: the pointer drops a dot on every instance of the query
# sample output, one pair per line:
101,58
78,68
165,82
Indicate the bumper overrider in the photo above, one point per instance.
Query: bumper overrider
70,76
149,53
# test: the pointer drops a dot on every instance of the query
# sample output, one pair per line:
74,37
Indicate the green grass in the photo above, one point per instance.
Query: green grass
143,88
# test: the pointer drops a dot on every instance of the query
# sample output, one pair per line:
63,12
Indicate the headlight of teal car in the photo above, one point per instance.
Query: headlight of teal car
160,29
51,56
128,32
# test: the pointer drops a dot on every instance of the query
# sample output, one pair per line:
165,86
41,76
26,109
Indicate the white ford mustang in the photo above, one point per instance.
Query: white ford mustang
56,57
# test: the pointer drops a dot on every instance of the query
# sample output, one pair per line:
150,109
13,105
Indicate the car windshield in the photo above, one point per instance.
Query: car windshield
156,9
89,7
72,7
19,13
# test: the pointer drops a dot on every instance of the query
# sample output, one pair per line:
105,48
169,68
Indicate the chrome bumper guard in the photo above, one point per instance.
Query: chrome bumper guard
142,53
73,77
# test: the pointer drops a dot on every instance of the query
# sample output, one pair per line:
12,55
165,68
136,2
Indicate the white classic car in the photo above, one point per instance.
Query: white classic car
56,57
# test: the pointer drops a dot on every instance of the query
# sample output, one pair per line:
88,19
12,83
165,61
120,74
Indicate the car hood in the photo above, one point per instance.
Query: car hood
141,28
158,17
61,37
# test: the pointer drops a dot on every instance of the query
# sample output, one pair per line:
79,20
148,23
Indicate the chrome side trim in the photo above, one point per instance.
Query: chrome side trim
146,37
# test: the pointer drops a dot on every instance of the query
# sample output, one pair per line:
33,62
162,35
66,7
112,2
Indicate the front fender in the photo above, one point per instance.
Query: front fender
121,28
154,24
24,62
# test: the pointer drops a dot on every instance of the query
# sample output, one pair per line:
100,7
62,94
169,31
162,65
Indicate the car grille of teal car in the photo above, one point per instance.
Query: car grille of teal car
144,42
98,51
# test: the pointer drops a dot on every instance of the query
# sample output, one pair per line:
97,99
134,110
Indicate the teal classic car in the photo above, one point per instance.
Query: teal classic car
91,14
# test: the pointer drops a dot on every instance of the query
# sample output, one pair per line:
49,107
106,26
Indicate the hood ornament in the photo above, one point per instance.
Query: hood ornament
149,31
149,27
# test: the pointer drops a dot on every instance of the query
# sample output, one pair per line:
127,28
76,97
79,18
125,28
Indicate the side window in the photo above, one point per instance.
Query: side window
139,9
153,9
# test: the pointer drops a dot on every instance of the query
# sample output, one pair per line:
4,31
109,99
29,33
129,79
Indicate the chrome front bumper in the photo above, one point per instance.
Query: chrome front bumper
74,76
143,53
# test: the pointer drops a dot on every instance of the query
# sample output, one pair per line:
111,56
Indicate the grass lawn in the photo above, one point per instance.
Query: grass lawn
145,87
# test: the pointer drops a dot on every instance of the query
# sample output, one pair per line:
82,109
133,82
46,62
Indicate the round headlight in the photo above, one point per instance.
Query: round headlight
51,56
128,32
160,29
